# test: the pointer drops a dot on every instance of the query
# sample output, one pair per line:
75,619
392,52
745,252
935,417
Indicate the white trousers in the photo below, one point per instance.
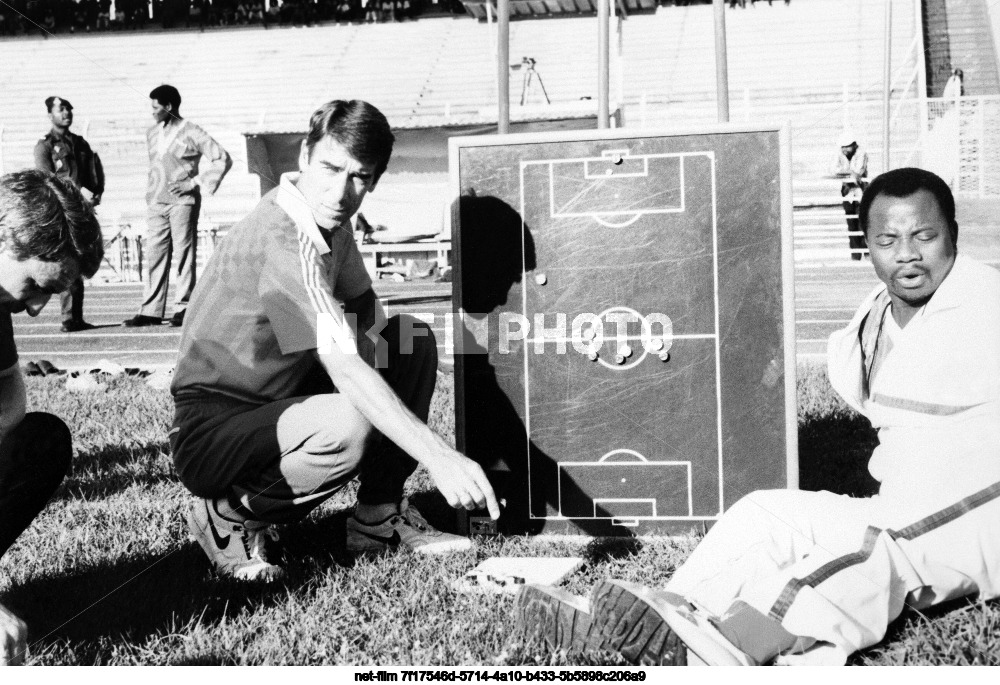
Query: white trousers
835,570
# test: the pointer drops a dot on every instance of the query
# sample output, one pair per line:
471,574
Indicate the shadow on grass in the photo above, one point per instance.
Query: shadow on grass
318,540
834,450
600,550
113,469
132,600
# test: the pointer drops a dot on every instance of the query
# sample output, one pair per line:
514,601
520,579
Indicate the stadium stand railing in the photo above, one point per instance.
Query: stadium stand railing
815,64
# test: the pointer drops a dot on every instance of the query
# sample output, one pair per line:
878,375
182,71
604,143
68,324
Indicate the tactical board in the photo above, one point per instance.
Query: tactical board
625,361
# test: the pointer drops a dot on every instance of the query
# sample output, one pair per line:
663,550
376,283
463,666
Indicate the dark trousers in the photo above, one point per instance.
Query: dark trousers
857,242
34,458
71,301
281,460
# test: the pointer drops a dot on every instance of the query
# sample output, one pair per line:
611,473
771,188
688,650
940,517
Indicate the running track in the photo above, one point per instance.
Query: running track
825,299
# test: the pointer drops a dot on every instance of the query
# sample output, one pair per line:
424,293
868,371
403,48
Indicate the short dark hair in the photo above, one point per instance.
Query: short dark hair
357,125
166,95
45,217
905,182
51,100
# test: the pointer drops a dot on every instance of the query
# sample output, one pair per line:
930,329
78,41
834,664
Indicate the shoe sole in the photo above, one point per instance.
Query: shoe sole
629,625
558,618
375,547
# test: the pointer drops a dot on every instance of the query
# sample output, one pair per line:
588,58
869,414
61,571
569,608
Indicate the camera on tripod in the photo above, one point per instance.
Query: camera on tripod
529,78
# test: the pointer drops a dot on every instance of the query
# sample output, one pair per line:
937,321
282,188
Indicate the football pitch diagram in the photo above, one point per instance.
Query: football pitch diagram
605,201
648,380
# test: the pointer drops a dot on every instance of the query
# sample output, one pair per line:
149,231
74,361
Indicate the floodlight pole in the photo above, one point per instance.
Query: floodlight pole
887,85
721,62
603,62
503,66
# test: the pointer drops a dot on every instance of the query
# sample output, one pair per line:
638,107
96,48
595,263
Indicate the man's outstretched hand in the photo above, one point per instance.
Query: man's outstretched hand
462,482
13,638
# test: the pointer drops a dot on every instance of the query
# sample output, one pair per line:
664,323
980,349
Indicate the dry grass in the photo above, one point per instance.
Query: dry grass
107,576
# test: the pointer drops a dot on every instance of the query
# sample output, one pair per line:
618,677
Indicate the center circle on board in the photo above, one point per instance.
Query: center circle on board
638,360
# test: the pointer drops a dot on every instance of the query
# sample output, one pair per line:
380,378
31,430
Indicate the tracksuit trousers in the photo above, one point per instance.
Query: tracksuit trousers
814,576
171,232
279,461
34,459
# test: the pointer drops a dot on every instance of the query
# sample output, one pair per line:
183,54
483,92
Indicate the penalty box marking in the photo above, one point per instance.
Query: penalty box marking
566,466
633,167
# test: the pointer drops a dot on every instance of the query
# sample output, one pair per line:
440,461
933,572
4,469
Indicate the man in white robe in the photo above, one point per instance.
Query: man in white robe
789,576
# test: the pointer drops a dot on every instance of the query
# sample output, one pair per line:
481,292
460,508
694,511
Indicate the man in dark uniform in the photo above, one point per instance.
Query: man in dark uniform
69,156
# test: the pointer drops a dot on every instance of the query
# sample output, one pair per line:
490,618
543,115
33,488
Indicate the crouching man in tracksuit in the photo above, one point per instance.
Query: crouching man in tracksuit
279,401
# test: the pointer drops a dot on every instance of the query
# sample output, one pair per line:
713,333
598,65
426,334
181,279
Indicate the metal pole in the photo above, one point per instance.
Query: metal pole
887,85
503,68
721,62
603,68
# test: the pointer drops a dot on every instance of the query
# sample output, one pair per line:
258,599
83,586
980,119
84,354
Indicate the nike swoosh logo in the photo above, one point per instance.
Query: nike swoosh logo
391,540
222,542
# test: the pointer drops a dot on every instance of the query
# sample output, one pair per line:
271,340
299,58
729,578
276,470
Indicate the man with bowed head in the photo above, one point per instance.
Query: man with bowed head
49,237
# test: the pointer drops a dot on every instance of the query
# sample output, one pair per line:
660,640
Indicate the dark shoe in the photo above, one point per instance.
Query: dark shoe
73,326
629,625
142,320
177,319
32,369
655,627
558,618
49,369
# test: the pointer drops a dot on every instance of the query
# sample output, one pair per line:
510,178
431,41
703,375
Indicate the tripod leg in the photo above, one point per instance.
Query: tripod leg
542,85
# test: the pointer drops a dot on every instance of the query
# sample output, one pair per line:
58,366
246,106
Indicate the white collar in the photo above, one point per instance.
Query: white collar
295,206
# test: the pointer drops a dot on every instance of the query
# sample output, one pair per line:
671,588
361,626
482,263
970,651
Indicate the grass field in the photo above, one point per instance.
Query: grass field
106,574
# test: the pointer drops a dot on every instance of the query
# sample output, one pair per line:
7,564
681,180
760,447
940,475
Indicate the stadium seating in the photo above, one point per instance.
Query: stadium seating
793,63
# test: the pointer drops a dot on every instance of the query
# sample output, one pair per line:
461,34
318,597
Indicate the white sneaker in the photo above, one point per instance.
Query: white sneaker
408,529
236,549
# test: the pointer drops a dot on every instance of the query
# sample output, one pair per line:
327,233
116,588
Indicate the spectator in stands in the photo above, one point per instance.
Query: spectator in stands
195,15
256,12
851,166
48,236
955,87
344,12
79,17
49,23
281,396
173,194
273,13
70,157
103,22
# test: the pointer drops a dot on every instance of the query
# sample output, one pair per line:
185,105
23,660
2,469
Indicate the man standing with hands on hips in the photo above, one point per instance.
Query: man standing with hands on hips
173,194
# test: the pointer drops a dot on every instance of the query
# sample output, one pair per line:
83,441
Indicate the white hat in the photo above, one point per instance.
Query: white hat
847,138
